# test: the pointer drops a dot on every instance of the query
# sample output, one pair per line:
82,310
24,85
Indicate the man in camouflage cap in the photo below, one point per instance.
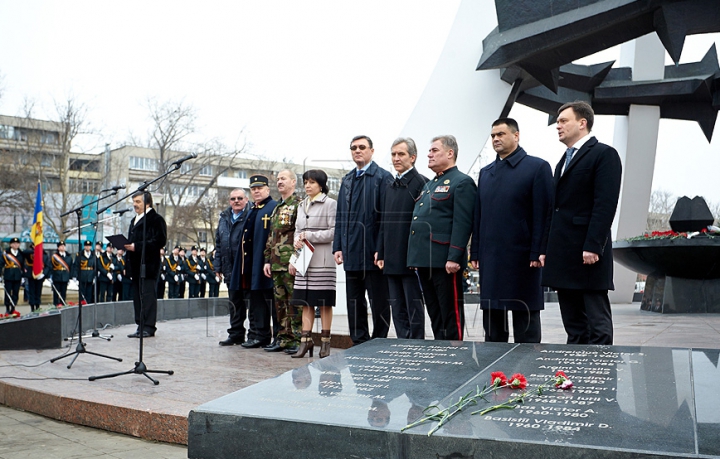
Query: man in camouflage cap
278,250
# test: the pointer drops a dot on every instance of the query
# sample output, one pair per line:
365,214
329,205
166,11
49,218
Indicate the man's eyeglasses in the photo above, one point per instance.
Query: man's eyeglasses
355,147
236,199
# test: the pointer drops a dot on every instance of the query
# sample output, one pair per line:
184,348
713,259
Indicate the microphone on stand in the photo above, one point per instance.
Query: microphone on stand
120,212
182,160
115,188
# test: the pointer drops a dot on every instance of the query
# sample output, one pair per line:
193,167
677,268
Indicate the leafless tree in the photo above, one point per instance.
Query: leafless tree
662,203
189,197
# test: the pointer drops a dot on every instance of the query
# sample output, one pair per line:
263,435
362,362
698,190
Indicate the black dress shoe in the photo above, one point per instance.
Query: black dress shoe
273,347
254,343
148,334
134,335
291,350
231,342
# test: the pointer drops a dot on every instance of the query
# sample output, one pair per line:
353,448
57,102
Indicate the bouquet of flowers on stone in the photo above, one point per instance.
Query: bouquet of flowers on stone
498,381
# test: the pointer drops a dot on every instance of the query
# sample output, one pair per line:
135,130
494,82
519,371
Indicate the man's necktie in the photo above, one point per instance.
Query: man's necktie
568,156
359,173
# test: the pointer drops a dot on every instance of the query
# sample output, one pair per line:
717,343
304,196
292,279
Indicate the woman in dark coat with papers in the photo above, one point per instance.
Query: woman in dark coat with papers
316,224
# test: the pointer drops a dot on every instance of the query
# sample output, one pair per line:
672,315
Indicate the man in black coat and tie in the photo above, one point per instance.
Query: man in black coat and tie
408,311
579,262
148,230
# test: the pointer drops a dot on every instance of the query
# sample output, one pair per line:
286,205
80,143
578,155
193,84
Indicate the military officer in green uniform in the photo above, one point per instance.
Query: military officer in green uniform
278,250
439,234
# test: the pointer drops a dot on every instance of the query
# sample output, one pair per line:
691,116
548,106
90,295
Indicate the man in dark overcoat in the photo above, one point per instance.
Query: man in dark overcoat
408,311
227,239
147,229
439,234
579,262
248,276
512,212
357,226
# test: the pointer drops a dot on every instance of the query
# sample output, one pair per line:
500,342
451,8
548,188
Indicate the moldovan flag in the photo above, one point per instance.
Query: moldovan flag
36,234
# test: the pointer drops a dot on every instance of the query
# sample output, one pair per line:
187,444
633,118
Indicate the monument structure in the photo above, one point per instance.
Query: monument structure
531,46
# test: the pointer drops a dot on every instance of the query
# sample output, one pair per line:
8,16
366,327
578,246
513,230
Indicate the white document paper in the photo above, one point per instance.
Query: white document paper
300,259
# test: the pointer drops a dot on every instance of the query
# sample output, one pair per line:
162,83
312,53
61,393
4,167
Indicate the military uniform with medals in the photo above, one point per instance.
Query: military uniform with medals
439,233
278,250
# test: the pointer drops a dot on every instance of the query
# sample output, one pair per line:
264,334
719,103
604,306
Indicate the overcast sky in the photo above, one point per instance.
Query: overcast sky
297,79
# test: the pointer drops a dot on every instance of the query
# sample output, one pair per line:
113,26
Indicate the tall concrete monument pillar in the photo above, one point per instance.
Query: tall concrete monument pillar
635,139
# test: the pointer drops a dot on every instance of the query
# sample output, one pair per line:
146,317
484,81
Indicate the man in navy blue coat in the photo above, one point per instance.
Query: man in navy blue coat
247,273
359,207
512,212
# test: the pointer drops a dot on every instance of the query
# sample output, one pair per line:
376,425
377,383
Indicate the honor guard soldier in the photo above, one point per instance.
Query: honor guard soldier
13,270
162,276
127,286
62,263
194,269
183,274
205,273
106,268
213,279
84,272
118,275
35,284
174,263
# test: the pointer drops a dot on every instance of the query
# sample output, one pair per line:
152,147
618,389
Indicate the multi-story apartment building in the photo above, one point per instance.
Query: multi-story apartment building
190,198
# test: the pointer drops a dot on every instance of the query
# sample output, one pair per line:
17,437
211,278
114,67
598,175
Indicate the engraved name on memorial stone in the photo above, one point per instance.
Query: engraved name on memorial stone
617,390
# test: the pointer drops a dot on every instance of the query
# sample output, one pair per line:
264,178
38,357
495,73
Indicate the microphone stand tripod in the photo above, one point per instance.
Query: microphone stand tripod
140,368
80,348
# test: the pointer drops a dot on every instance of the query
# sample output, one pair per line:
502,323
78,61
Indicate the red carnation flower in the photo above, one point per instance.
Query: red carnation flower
518,381
15,314
498,378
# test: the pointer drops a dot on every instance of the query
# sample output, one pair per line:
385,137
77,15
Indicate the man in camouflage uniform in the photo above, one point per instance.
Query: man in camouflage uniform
278,250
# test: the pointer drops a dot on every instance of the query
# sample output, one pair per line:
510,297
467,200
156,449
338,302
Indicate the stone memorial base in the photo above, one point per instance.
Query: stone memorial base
627,402
46,330
667,295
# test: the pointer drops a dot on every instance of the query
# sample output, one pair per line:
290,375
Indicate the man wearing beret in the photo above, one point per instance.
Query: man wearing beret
248,279
439,234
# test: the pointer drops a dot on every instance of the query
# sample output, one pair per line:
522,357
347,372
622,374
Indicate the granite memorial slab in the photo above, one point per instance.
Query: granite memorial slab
627,402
